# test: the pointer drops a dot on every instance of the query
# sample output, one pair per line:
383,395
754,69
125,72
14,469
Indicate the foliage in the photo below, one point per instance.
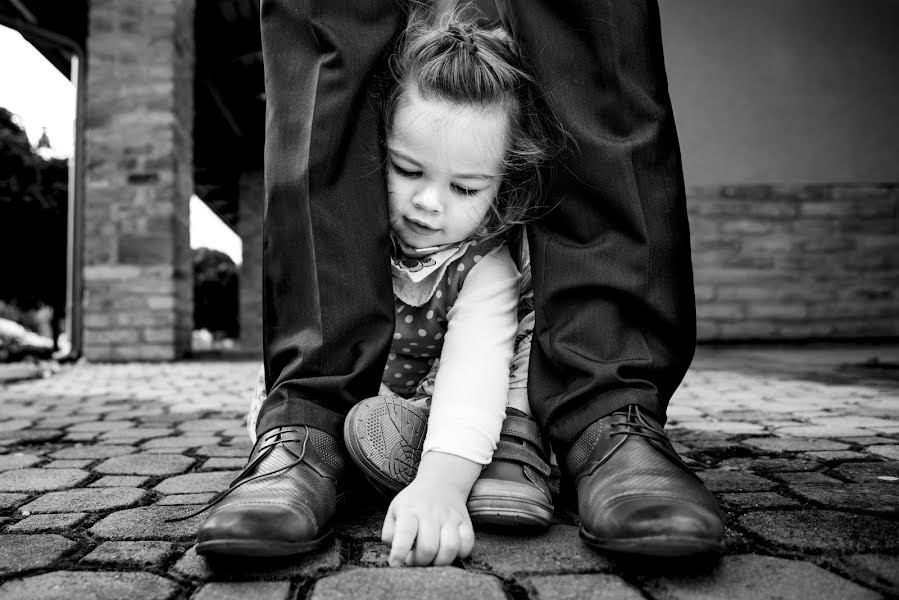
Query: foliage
216,293
33,207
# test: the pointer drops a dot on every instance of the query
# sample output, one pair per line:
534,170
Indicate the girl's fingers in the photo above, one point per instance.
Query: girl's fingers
449,544
427,543
404,532
466,538
387,528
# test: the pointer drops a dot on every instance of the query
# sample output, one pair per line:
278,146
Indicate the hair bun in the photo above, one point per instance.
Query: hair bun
463,36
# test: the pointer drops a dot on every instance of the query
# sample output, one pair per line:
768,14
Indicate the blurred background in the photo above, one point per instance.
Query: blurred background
131,139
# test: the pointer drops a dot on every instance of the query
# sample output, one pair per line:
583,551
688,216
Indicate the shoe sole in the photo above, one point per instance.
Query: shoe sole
496,503
384,437
661,545
262,548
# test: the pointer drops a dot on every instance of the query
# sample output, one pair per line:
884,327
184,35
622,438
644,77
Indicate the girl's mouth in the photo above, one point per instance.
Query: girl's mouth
418,228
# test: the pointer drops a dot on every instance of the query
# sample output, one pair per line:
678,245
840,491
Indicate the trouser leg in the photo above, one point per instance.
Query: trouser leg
328,304
611,264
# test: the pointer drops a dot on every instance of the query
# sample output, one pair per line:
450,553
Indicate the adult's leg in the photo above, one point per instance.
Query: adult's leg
328,308
327,296
613,281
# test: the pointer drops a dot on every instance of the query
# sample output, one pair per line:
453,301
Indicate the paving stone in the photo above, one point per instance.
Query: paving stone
223,450
877,570
880,498
210,425
18,460
131,481
214,481
62,422
727,427
769,465
555,551
130,554
718,448
755,500
821,431
361,527
224,463
67,464
752,577
19,553
79,437
40,480
374,554
806,478
145,464
835,455
87,585
823,530
887,451
864,472
15,424
853,421
99,426
582,587
92,451
721,480
30,436
181,499
270,590
135,413
776,444
195,567
9,500
62,522
149,523
868,440
180,441
87,499
429,583
136,433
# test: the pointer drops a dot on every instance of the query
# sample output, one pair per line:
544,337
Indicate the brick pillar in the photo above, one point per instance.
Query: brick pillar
249,227
138,274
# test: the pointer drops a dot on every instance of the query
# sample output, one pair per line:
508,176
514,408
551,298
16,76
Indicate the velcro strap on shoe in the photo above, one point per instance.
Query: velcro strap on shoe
521,454
523,428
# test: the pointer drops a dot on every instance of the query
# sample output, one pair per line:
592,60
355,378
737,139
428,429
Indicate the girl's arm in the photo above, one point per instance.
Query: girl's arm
467,411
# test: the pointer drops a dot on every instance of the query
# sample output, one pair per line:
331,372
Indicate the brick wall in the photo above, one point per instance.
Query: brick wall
139,179
796,262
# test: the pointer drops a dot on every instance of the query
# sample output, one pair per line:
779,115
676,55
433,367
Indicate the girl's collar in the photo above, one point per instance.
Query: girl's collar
402,249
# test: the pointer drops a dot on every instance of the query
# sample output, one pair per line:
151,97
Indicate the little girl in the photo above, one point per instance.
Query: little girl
467,137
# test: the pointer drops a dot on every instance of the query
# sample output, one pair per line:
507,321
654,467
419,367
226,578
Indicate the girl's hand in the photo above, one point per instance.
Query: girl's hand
427,523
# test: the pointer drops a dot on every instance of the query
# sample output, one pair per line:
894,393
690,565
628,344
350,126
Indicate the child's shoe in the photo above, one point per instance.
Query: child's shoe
512,490
384,436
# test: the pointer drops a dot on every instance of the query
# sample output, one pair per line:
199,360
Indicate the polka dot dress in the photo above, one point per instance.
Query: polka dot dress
419,330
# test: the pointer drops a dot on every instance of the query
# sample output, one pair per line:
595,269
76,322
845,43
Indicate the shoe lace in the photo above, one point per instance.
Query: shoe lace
635,423
264,450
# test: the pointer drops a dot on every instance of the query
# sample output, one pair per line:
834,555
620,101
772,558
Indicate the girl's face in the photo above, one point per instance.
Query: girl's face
444,168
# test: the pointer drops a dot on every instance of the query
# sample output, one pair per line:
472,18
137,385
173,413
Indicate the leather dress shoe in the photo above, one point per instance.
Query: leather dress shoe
283,501
635,494
512,490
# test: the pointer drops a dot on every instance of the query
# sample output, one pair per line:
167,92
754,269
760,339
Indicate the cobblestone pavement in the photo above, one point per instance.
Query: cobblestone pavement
800,445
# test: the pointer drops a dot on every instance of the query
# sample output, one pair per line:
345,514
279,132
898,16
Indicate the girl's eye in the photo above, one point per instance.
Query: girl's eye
403,172
464,190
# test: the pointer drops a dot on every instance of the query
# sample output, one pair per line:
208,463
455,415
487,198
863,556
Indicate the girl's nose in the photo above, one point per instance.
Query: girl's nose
427,198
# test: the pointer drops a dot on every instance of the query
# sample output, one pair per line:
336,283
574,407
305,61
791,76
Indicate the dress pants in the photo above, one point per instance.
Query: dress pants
615,312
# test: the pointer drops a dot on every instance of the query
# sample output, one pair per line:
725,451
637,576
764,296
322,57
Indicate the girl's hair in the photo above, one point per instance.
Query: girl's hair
453,58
